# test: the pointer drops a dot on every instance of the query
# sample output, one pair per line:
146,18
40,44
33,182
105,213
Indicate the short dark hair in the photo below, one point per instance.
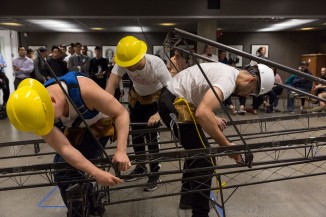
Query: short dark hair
20,46
78,44
304,63
55,47
29,50
97,48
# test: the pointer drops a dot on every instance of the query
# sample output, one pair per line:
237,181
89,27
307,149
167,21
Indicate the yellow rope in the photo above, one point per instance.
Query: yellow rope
179,100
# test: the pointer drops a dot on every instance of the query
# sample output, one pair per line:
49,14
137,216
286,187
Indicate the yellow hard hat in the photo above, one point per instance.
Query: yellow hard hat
129,51
30,108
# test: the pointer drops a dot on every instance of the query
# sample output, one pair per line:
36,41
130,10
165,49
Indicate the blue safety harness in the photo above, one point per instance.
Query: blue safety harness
74,92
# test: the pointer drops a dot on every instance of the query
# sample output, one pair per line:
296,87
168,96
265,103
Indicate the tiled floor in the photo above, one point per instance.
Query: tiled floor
300,197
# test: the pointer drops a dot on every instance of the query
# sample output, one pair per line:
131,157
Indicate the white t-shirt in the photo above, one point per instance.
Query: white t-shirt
148,80
191,84
213,57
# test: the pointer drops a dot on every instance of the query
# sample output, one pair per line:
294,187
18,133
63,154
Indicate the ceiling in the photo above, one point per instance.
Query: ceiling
130,16
148,24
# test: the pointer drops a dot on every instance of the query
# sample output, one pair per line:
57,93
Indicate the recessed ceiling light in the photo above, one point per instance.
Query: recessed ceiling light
286,25
133,29
97,28
11,24
57,25
307,28
219,29
167,24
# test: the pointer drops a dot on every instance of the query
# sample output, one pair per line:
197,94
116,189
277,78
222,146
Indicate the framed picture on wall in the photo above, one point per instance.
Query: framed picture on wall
108,52
35,48
158,50
90,51
235,59
256,47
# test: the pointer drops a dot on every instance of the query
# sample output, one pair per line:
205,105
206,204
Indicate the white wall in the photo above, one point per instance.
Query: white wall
8,49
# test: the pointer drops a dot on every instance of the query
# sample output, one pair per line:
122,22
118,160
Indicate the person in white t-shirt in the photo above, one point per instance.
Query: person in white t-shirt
189,88
149,74
209,53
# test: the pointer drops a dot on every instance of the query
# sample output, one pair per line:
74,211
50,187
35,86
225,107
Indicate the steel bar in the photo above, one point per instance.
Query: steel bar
191,36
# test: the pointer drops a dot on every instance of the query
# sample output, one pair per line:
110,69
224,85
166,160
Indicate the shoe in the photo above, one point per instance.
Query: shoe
139,170
304,112
242,110
152,183
301,107
293,94
232,110
277,110
255,112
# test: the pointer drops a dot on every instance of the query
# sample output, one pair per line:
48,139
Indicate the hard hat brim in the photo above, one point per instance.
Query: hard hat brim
141,54
47,106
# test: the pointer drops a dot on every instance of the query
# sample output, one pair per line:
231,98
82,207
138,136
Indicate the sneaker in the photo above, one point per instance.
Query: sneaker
139,170
241,111
152,183
232,110
304,112
293,94
276,110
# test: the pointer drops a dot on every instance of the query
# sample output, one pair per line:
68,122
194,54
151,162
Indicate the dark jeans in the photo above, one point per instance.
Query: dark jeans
189,139
89,150
141,114
290,104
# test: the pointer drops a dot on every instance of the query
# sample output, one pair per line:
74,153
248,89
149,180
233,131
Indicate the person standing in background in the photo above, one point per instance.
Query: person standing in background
22,66
177,63
79,62
208,52
4,82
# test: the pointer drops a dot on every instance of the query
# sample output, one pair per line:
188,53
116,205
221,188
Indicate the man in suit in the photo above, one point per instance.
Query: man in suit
79,62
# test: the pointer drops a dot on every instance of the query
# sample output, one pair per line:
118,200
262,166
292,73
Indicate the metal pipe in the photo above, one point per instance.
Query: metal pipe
270,63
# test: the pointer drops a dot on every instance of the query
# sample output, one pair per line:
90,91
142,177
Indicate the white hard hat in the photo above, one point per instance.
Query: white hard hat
267,79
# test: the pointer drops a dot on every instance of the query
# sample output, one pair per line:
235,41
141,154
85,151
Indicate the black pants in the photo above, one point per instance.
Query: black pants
189,139
89,150
5,87
17,82
141,114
